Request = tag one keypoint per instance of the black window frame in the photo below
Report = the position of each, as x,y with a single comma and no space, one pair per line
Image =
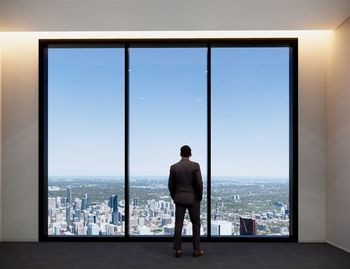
291,43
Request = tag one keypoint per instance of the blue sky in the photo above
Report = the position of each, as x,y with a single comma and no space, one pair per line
86,111
168,97
250,103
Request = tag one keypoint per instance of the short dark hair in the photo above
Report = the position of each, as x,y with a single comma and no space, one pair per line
185,151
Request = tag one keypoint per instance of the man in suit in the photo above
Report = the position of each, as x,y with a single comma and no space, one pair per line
186,189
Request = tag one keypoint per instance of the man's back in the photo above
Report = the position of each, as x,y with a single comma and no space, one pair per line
185,178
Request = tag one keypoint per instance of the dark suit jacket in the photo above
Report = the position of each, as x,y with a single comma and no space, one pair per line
185,181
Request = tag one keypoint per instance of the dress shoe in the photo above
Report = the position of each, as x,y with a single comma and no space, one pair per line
198,253
178,253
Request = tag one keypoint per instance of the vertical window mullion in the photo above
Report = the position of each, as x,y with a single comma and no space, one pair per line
126,161
209,141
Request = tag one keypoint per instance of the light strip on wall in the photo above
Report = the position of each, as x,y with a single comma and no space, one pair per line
168,34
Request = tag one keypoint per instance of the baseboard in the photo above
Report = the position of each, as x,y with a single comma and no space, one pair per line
337,246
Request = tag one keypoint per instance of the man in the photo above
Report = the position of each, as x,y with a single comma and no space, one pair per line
186,189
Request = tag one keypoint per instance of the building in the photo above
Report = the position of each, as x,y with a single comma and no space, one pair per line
69,195
221,227
93,229
247,226
68,215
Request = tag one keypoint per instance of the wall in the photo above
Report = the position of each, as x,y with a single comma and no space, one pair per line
171,15
312,139
0,140
20,126
20,140
338,137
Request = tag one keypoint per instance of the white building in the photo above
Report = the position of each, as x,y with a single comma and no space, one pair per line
93,229
221,227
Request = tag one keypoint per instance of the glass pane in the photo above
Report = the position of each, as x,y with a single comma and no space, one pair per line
250,142
168,109
86,141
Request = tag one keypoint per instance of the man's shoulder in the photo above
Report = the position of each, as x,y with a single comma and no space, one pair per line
194,163
181,163
174,165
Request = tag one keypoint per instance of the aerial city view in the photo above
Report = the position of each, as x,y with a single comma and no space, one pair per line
86,206
168,107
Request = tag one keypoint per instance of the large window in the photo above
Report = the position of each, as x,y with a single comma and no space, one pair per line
85,141
250,142
168,106
114,115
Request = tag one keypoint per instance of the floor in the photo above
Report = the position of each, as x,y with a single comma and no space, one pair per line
146,255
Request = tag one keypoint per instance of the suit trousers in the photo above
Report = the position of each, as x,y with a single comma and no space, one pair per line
194,211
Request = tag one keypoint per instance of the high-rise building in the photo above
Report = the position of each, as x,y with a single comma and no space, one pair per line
69,195
115,203
68,219
58,202
247,226
115,218
110,202
85,202
115,213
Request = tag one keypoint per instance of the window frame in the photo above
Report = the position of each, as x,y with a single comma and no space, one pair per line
44,44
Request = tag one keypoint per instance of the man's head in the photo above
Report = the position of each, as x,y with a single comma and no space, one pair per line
185,151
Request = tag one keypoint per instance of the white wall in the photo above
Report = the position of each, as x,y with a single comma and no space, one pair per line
338,140
312,139
171,15
20,140
20,127
0,141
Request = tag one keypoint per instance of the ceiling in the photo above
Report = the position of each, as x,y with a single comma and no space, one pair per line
171,15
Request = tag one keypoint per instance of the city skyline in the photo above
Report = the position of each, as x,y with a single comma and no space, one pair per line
98,209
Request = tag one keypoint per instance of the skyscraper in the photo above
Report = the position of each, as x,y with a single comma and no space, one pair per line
68,219
110,202
69,195
247,226
115,203
115,218
85,202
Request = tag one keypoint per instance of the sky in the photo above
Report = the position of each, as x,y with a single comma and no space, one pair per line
168,108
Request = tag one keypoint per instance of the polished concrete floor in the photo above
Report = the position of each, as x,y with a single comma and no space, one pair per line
160,255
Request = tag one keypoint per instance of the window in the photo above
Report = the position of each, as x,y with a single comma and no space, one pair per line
168,108
250,141
85,141
113,116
